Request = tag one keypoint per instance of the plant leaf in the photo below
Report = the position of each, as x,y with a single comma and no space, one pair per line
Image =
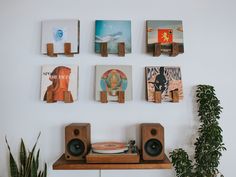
23,153
37,159
39,174
13,166
45,170
33,168
30,158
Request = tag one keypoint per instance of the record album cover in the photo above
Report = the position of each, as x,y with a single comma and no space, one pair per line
59,79
114,78
59,32
164,79
164,32
112,32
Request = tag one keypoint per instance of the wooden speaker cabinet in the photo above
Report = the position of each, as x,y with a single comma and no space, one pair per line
152,141
77,141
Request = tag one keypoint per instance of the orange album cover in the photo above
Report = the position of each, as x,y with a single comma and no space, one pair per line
59,79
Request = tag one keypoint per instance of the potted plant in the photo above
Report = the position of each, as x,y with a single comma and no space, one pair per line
29,162
209,145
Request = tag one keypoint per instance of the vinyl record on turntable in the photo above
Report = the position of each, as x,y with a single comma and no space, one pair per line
109,147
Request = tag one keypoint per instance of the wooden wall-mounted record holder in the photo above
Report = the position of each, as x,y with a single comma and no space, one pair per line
103,97
174,49
121,49
103,49
50,50
67,50
49,97
121,96
156,49
157,97
175,96
68,97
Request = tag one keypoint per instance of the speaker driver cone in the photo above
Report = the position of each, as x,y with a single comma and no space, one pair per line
153,147
76,147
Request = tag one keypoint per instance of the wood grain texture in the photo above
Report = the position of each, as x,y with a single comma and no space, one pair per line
174,49
175,96
157,96
113,158
49,97
62,164
103,97
104,52
152,131
50,50
67,50
77,131
156,49
121,96
68,97
121,49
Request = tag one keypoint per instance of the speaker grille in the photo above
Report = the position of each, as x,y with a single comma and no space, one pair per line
153,147
76,147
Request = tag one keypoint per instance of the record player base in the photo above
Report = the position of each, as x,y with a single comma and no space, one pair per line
62,164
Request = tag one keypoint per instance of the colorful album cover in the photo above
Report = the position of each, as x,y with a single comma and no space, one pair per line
114,78
164,79
165,32
59,32
59,79
112,32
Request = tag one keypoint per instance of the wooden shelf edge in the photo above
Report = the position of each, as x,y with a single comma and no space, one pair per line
62,164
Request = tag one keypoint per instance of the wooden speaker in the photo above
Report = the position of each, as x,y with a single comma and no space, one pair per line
152,141
77,141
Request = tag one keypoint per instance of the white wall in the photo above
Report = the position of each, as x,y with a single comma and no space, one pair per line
209,38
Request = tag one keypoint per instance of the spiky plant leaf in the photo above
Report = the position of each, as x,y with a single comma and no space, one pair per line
21,171
37,159
13,166
45,170
39,174
23,157
29,163
33,169
30,158
33,149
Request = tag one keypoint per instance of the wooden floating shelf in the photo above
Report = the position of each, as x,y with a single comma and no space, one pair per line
62,164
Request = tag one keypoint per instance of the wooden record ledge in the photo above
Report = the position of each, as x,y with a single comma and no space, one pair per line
62,164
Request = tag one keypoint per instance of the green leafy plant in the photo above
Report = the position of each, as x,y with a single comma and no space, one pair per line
209,145
28,163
